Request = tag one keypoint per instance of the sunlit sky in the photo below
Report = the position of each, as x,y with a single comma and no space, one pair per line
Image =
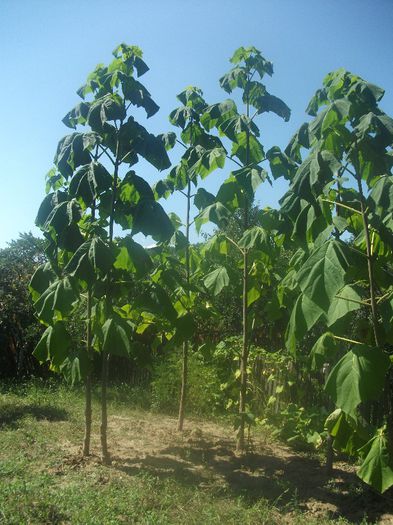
47,48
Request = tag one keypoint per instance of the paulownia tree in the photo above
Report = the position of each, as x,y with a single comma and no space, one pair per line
339,211
203,154
238,190
91,190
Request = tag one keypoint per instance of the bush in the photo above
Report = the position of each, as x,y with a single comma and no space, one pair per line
203,396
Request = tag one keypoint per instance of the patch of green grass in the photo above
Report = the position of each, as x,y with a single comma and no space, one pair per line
41,483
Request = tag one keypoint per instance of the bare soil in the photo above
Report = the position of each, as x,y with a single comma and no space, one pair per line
204,455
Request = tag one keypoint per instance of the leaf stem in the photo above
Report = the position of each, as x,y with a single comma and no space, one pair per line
347,340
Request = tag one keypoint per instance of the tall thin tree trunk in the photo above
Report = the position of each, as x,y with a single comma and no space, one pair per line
184,382
88,409
240,444
104,410
105,457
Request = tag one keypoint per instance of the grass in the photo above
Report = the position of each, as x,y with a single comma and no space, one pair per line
156,477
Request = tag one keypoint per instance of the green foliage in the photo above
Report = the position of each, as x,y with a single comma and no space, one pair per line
203,397
336,279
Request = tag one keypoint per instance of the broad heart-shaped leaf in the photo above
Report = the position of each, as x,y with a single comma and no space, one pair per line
78,115
133,188
359,376
41,279
230,194
133,257
254,237
323,350
72,152
347,300
380,125
323,273
56,301
249,178
203,199
253,294
89,182
116,337
349,433
381,195
150,218
216,213
216,114
254,153
54,345
268,102
107,108
202,161
377,467
135,139
100,256
304,316
48,204
138,95
281,164
216,280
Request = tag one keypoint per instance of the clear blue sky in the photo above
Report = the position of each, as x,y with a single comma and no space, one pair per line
47,48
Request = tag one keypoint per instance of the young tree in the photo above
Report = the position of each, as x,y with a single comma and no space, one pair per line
204,153
343,190
238,190
90,193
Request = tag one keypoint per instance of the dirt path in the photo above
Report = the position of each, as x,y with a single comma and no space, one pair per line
204,456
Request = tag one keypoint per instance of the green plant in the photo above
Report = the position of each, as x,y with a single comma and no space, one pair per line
256,244
90,191
204,393
342,189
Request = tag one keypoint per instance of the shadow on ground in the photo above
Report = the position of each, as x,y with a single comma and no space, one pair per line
11,414
284,478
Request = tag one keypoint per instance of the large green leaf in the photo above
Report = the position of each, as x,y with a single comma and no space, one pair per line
377,467
150,218
133,258
138,95
216,280
54,345
41,280
56,301
216,213
347,300
359,376
248,150
116,337
48,204
89,182
72,152
304,316
249,179
323,351
267,103
254,237
323,274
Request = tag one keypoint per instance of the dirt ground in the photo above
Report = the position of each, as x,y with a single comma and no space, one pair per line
204,455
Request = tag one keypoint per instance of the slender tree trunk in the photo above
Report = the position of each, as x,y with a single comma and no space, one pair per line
184,385
240,445
183,392
88,409
105,457
105,356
